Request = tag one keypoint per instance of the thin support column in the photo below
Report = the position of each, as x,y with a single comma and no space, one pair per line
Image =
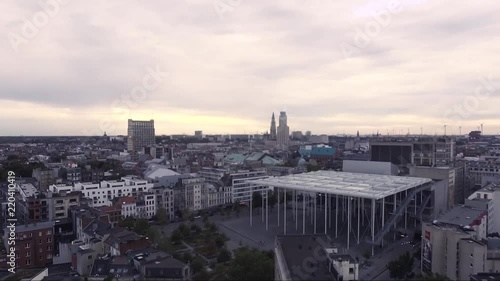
251,210
348,221
262,206
296,215
359,208
315,207
303,215
267,210
336,215
326,214
330,211
394,213
279,199
284,212
383,217
363,208
406,211
415,207
373,226
311,205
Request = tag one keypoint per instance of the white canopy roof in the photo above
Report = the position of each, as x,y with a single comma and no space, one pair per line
347,184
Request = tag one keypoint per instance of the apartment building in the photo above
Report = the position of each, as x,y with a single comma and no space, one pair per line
451,251
34,206
486,199
165,199
485,168
128,205
45,177
193,187
146,205
242,190
102,193
34,244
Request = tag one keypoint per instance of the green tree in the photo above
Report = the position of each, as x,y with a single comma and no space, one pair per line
224,256
399,268
246,261
187,258
141,226
197,265
153,235
176,237
128,222
162,216
203,275
220,241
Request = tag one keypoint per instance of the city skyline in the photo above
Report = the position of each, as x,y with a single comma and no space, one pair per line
223,68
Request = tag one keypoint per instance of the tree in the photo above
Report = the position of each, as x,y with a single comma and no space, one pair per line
141,226
246,261
367,255
219,241
161,216
197,265
109,278
203,275
153,235
187,257
399,268
128,222
176,236
224,256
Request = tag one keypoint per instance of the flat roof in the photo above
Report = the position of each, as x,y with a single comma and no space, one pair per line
461,215
369,186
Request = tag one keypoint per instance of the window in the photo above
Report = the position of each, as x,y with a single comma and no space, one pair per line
28,262
49,240
39,233
27,246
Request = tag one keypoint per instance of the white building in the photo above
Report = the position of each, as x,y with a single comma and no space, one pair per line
242,190
103,193
165,200
192,192
146,205
129,206
486,199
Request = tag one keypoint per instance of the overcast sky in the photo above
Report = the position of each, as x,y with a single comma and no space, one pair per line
223,66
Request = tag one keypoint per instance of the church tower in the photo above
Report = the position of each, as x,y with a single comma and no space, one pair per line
272,133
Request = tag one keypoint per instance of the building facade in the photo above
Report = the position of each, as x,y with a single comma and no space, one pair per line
140,134
283,131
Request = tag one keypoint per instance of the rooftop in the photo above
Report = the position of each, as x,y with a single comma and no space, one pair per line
369,186
461,215
297,249
34,226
